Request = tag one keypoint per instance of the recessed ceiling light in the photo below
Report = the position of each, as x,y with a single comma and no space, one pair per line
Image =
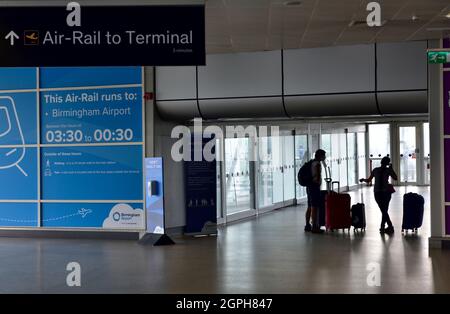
292,3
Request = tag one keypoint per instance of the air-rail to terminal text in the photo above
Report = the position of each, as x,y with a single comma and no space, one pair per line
129,37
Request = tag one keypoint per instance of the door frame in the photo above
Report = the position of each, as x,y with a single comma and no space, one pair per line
395,148
229,217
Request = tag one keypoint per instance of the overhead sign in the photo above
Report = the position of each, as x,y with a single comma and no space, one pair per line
102,36
435,57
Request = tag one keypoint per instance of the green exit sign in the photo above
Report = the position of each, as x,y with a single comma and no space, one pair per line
438,57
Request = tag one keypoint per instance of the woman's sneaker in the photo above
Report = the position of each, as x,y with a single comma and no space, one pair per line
308,228
317,229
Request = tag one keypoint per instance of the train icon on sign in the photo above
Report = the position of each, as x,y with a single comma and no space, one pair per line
12,142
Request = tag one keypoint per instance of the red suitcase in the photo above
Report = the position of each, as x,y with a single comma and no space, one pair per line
337,210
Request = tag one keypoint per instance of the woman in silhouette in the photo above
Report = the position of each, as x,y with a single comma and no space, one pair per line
383,191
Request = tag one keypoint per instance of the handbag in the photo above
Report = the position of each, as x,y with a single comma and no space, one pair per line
390,188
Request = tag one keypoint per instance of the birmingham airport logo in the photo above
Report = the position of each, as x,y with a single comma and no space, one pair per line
191,145
116,216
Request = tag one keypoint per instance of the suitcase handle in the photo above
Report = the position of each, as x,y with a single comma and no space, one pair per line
338,185
362,195
327,172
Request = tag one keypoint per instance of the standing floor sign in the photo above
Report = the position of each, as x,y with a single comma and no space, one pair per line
154,194
154,204
71,148
201,193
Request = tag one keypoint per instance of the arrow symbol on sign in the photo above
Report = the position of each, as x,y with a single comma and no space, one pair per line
12,36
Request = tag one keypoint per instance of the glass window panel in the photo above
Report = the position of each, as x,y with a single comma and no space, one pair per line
265,172
326,146
277,162
289,168
379,143
334,157
301,156
362,166
379,140
238,181
342,160
352,158
408,163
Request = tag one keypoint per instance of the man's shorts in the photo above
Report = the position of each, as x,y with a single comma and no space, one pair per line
313,193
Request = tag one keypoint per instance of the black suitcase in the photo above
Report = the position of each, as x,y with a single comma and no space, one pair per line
413,204
359,214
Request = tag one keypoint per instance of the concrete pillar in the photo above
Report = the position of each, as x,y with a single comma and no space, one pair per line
437,190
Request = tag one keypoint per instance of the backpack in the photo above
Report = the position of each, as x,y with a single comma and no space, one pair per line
305,176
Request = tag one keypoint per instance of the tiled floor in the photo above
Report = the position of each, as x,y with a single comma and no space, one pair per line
268,254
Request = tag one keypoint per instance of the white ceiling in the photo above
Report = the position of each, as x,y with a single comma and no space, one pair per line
258,25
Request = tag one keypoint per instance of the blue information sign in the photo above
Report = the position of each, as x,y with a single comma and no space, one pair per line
92,172
92,116
71,146
93,215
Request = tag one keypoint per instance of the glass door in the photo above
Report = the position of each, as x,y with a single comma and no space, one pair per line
277,168
289,177
408,154
326,146
362,162
301,156
265,172
379,144
342,160
238,183
351,159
